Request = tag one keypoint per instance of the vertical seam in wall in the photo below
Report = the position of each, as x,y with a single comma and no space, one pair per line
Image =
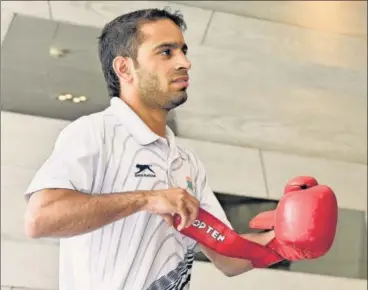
56,31
9,26
207,27
50,10
264,173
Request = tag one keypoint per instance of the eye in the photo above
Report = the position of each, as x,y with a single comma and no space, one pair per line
185,51
166,52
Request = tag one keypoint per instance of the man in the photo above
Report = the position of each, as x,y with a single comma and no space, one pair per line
115,178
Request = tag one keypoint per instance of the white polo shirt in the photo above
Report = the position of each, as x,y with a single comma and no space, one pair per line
113,151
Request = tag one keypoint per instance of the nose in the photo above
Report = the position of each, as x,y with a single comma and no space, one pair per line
184,63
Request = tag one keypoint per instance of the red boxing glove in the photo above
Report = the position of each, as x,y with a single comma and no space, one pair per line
304,221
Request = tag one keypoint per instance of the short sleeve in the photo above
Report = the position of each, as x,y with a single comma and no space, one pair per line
207,198
72,162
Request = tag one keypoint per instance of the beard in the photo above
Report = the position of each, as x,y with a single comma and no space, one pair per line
154,96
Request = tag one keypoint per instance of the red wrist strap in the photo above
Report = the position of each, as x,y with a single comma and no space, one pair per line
214,234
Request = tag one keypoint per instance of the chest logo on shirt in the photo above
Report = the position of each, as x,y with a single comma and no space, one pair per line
144,170
189,183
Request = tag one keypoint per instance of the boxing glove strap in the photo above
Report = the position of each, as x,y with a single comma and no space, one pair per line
215,235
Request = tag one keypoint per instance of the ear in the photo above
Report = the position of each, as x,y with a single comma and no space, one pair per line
122,68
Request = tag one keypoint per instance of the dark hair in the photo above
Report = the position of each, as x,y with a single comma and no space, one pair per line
121,37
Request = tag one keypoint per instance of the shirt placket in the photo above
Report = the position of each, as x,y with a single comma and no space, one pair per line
168,156
170,181
170,162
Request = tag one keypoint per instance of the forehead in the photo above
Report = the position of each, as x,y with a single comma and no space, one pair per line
165,30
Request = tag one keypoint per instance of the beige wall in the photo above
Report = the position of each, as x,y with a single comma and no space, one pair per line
26,140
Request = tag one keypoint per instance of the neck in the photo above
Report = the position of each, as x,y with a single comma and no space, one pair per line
155,119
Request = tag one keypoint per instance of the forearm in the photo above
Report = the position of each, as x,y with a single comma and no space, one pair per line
227,265
233,266
62,213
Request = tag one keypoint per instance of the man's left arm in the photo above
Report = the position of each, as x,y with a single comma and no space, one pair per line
233,266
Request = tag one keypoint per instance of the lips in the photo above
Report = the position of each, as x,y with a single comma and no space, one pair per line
181,81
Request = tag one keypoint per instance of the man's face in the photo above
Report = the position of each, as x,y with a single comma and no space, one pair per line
162,72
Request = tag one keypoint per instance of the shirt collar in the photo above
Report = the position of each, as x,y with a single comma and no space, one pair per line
136,127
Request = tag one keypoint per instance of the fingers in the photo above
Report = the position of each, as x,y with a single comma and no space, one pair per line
188,210
168,219
167,203
185,215
193,209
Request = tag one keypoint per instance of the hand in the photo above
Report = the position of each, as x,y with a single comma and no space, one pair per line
304,221
170,201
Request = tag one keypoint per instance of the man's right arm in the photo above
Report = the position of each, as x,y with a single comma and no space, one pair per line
58,205
65,212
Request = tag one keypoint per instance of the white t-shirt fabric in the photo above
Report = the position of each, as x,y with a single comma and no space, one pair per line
113,151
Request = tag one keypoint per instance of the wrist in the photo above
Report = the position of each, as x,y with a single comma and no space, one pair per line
260,238
147,200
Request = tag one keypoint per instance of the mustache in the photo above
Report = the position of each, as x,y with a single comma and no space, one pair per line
179,76
180,73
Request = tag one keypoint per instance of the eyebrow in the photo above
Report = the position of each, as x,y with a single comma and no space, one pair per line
171,45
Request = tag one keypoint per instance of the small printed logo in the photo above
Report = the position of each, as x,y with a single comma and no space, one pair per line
189,183
144,170
213,233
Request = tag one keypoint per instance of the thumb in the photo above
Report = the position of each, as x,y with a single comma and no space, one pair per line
168,219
